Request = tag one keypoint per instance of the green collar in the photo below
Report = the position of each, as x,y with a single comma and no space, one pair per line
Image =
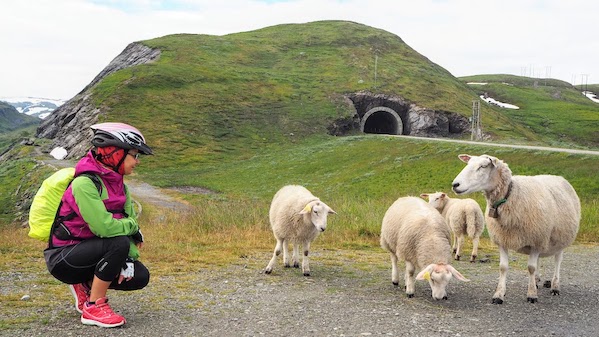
504,200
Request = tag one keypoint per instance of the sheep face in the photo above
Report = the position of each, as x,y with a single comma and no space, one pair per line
438,276
318,212
477,175
437,200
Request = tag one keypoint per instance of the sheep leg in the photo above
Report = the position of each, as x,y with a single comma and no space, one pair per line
555,281
296,255
276,253
458,252
503,268
475,241
410,279
394,270
455,242
286,253
533,262
306,259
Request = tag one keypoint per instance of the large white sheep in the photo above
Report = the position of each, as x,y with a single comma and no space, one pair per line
415,232
463,216
534,215
297,217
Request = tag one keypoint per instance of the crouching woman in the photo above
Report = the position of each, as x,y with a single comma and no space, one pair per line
94,242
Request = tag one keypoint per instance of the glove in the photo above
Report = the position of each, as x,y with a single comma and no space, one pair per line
138,237
128,269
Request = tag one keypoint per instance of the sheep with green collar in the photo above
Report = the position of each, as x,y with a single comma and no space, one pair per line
297,217
534,215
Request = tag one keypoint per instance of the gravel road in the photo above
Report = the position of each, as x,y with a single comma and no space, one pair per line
343,298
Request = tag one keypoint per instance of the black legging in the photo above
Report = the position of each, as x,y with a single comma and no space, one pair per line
99,257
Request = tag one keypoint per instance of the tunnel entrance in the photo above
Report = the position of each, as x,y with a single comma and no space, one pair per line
381,120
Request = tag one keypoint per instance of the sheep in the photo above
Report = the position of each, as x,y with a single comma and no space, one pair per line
297,217
534,215
463,216
415,232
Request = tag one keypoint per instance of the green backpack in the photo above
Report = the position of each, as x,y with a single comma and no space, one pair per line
47,201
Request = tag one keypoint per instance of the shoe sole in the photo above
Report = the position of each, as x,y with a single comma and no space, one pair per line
72,288
88,321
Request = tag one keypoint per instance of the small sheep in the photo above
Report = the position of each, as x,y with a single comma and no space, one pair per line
415,232
463,216
297,217
534,215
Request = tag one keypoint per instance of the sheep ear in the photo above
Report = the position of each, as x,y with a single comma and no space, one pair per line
424,195
306,209
425,274
331,211
457,274
464,157
443,195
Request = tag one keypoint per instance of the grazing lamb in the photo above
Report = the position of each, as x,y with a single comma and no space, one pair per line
297,217
415,232
463,216
534,215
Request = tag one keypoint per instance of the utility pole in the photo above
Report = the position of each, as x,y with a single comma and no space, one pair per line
476,124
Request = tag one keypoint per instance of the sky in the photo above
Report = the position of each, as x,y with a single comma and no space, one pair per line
54,48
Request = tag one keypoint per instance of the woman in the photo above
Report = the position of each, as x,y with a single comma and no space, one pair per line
94,242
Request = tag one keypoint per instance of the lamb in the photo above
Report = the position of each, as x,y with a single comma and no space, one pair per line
297,217
534,215
415,232
463,216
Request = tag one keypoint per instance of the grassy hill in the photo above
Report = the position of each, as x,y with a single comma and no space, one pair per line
212,98
11,119
244,114
554,110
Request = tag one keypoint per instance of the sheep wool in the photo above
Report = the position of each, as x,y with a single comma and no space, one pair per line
415,232
297,217
463,216
534,215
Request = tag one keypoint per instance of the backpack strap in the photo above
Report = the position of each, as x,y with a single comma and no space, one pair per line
59,219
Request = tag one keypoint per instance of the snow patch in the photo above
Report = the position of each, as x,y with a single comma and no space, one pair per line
499,104
591,96
58,153
477,83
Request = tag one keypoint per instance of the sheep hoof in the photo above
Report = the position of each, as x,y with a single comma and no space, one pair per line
457,258
268,271
473,259
455,250
306,274
410,295
554,292
287,265
547,284
497,301
531,299
296,265
395,283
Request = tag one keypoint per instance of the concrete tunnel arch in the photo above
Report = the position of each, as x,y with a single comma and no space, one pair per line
381,120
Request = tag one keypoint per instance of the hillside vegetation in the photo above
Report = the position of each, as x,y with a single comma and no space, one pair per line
554,110
11,119
243,114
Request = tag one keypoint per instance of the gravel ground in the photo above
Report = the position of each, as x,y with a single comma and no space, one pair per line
349,294
341,299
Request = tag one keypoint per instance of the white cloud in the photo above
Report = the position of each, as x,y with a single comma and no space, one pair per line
54,48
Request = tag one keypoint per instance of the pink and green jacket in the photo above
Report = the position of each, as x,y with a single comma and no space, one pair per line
92,217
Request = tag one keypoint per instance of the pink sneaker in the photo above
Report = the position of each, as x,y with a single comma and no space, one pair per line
81,293
101,314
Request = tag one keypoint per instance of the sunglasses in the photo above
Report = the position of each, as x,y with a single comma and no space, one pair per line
136,156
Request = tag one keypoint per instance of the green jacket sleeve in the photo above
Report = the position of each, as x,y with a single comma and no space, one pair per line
93,211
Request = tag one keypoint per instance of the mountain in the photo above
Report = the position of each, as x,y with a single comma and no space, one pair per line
11,119
203,98
33,106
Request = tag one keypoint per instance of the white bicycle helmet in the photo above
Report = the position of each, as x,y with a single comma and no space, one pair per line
120,135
